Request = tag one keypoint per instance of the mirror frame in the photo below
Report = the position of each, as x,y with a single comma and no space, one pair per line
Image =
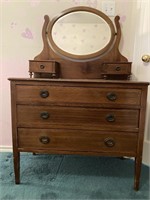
68,55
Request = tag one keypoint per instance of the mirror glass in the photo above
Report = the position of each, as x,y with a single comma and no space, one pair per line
81,33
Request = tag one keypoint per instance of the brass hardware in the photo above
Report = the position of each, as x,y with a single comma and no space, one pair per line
111,96
44,93
109,142
44,139
44,115
146,58
110,118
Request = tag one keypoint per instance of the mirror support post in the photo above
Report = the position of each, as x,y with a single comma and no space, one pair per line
45,54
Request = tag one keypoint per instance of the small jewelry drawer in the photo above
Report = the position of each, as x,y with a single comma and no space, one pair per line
77,140
116,68
44,69
116,71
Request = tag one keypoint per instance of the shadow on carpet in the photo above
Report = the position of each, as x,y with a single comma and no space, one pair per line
71,177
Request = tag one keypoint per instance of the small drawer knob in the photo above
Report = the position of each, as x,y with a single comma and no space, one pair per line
111,96
42,66
44,115
44,93
110,118
109,142
118,68
44,139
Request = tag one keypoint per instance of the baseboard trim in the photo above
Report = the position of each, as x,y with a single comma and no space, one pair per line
6,149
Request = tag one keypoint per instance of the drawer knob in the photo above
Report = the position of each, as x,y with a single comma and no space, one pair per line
44,139
118,68
109,142
42,66
44,115
44,93
110,118
111,96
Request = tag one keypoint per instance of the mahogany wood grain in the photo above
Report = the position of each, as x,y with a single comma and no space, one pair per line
81,66
77,94
77,122
68,107
116,68
77,140
77,118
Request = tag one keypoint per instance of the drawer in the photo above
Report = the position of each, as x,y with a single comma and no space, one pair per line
43,67
77,95
79,118
77,140
116,68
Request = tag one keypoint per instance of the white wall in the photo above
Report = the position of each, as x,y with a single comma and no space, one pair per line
141,27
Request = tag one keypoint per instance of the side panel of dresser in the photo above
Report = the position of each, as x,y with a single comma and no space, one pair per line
16,153
132,141
138,158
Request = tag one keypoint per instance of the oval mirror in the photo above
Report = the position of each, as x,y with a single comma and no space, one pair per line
81,33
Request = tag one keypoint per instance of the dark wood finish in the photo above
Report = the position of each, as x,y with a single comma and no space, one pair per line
16,153
85,117
49,69
77,140
68,107
80,94
116,70
82,66
77,118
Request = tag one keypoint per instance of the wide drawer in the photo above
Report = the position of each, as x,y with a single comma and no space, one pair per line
74,140
77,95
80,118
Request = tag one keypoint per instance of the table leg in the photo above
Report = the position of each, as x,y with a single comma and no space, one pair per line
138,163
17,167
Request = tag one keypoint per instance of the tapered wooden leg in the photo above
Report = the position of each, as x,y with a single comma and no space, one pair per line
138,163
17,167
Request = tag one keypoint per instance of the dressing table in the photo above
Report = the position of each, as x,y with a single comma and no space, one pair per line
80,97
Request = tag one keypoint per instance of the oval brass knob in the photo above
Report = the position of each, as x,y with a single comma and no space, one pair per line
146,58
110,118
44,93
44,139
111,96
109,142
44,115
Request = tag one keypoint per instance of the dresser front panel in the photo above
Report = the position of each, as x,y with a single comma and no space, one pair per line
81,117
78,118
76,140
78,95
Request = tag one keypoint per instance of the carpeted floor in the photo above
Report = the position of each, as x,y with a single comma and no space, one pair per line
71,177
